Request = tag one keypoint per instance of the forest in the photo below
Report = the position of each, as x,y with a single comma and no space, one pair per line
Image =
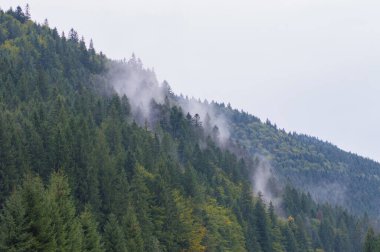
84,167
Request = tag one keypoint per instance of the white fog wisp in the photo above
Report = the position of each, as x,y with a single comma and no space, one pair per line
209,118
261,180
138,84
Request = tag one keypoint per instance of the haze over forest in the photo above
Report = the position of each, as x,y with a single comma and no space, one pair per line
310,67
100,154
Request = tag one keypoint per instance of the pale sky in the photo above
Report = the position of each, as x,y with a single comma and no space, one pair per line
309,66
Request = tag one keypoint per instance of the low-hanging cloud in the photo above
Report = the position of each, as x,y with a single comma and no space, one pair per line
141,87
210,117
138,84
264,181
331,192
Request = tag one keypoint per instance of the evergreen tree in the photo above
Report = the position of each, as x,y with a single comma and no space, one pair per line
262,226
66,226
371,243
15,229
26,219
132,231
114,240
91,237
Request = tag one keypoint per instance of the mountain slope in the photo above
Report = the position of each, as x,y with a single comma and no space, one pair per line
85,168
320,168
328,173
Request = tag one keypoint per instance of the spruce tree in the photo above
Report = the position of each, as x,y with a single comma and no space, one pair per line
66,225
91,237
114,238
132,231
26,220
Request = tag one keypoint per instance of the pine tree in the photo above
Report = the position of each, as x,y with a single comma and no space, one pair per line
26,219
371,243
15,228
66,225
142,198
91,237
132,231
290,240
113,236
262,226
27,12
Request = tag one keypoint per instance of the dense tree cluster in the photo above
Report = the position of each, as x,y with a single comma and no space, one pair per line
78,174
372,242
327,172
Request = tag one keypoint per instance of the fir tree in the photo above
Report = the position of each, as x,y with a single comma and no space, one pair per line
114,240
91,237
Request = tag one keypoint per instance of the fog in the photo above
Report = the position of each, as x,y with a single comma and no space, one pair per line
139,84
308,66
208,116
265,183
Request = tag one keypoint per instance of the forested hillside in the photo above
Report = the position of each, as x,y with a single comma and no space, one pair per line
328,173
85,168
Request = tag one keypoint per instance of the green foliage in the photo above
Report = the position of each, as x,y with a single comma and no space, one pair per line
168,189
91,237
223,231
26,219
309,164
66,226
132,231
372,242
114,238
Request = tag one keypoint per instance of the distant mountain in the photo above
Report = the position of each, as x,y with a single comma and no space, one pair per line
96,155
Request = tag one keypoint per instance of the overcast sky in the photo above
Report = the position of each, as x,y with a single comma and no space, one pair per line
309,66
